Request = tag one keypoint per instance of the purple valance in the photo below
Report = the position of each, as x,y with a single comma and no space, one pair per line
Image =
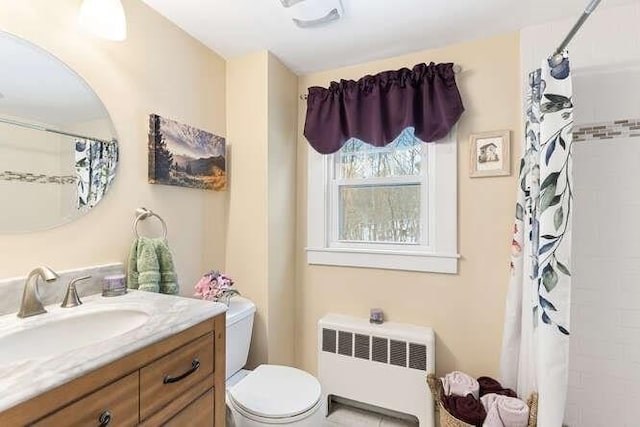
376,109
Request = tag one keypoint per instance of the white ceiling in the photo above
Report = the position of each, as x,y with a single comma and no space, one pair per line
370,29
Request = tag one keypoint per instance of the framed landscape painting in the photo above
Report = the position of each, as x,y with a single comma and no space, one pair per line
185,156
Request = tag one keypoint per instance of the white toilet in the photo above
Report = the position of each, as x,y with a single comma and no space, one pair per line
270,394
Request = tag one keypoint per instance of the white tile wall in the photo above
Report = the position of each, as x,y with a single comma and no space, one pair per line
597,94
605,324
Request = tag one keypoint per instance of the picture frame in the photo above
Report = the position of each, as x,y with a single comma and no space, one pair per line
490,154
185,156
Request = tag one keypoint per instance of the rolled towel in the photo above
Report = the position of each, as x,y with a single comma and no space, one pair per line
460,384
467,409
504,411
489,385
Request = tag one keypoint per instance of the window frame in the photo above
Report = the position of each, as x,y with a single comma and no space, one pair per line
437,251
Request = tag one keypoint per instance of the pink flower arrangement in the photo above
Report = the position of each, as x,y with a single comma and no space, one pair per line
215,286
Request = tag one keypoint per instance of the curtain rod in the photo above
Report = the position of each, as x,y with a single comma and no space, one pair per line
557,58
457,69
46,129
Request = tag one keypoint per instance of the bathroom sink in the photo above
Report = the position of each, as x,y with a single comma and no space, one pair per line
68,333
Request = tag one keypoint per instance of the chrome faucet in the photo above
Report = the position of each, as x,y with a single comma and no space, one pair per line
71,299
31,304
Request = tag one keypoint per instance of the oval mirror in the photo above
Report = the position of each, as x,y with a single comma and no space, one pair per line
58,146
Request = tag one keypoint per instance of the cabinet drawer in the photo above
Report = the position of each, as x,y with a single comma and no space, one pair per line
172,375
199,414
115,404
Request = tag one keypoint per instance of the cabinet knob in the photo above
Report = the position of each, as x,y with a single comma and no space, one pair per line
104,419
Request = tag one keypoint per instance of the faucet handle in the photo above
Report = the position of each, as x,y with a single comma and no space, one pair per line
71,299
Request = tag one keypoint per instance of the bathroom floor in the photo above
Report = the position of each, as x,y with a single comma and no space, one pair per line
346,416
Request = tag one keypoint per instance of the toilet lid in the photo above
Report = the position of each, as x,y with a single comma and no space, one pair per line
272,391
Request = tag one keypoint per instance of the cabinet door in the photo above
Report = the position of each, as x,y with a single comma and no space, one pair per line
112,405
198,414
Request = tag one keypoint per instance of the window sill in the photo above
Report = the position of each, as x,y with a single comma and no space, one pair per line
386,260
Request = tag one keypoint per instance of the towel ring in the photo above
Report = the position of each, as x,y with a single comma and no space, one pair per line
144,213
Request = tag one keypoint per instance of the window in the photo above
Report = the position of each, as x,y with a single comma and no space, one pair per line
392,207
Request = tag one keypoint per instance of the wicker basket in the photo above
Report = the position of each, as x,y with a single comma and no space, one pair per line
448,420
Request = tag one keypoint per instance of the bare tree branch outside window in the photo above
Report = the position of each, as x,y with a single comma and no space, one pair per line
374,205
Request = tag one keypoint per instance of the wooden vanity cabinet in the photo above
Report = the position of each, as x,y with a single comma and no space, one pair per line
178,381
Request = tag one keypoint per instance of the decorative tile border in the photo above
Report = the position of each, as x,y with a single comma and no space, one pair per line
36,178
598,131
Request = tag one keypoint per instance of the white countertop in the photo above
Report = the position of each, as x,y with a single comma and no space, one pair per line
28,378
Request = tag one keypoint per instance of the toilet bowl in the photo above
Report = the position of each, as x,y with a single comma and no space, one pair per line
270,394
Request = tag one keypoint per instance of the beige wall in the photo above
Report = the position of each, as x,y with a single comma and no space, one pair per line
262,110
283,114
159,69
466,310
247,133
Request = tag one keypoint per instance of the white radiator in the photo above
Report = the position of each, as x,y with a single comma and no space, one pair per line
380,365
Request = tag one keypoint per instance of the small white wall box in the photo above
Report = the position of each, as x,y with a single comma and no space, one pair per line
383,367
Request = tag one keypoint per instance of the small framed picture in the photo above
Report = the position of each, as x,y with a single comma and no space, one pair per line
490,154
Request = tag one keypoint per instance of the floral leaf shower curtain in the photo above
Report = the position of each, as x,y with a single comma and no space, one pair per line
535,350
95,164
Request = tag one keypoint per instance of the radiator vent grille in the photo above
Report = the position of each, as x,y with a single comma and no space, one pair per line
378,349
362,347
329,340
398,353
345,343
418,356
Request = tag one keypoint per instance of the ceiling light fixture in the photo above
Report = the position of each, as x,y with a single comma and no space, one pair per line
313,13
289,3
104,18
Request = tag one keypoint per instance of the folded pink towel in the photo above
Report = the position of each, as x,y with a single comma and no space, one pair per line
460,384
504,411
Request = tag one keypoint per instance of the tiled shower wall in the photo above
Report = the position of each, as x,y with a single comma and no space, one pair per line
605,325
611,130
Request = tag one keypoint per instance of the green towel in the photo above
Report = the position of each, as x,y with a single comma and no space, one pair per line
168,277
132,267
150,267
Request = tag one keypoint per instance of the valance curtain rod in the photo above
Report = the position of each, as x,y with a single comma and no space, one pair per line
556,58
456,69
46,129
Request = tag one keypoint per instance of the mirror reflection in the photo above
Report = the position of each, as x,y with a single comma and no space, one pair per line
58,147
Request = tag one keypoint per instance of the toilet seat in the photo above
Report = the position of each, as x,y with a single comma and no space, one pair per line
274,394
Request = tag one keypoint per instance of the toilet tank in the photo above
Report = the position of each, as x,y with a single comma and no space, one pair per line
239,326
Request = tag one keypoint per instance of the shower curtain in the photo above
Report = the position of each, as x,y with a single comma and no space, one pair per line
95,164
535,350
